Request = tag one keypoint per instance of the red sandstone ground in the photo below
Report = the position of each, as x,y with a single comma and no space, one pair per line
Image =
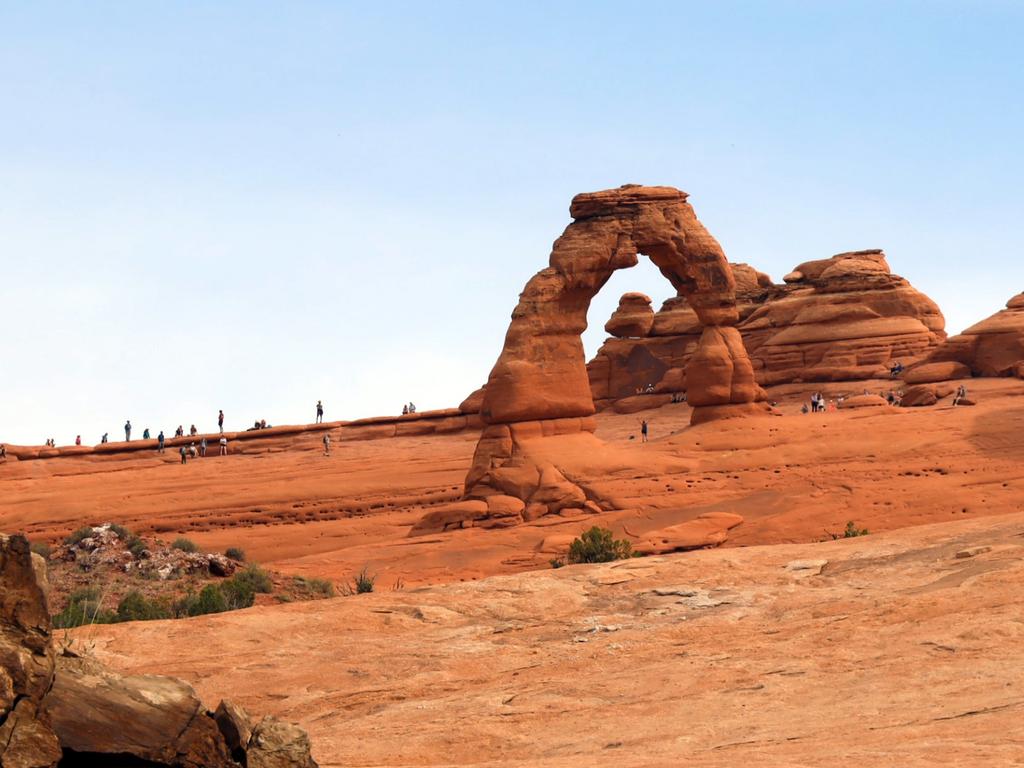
793,478
898,653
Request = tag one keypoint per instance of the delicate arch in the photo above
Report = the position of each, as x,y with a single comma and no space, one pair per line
541,372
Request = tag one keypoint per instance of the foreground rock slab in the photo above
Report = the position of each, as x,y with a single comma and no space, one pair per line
894,654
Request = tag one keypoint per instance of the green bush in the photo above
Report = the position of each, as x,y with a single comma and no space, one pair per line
315,587
235,554
851,532
185,545
41,548
85,606
121,531
240,590
135,606
77,536
363,582
557,562
209,600
598,546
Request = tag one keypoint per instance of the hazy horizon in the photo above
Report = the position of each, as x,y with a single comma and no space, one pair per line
252,208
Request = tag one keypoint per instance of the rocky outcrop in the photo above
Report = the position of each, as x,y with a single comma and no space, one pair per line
993,347
54,705
838,319
27,661
633,317
843,318
540,385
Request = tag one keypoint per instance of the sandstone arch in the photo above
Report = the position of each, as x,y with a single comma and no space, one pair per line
539,386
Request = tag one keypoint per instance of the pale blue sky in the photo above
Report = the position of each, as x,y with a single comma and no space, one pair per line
251,206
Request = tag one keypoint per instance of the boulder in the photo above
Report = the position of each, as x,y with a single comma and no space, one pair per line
864,401
460,514
158,719
27,661
707,530
927,373
633,318
276,744
235,726
925,394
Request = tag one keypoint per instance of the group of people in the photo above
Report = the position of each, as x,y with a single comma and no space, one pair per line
818,404
648,390
192,452
408,408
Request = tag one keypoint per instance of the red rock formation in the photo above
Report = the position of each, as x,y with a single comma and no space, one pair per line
539,385
56,704
633,318
993,347
843,318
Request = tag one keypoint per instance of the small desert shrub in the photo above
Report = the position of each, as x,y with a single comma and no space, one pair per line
240,590
135,606
77,536
360,584
315,587
598,546
235,554
85,606
185,545
122,532
41,548
136,546
556,562
209,600
851,532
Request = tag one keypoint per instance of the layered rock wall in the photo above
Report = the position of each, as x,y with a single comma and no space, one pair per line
843,318
993,347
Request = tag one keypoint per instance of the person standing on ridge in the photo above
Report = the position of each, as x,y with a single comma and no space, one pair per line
223,446
145,434
127,431
105,438
78,439
319,412
160,442
220,420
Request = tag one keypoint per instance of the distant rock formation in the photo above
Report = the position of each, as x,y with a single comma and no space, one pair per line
54,705
836,319
993,347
